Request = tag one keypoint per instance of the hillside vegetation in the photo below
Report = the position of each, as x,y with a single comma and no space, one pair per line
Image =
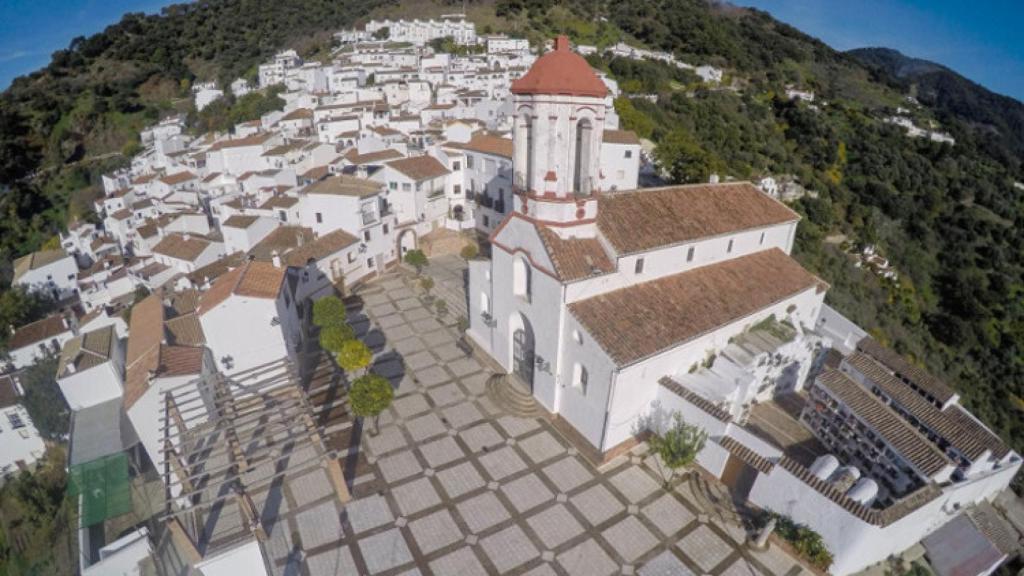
948,216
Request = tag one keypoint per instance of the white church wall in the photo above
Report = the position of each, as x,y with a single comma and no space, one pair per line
585,411
674,259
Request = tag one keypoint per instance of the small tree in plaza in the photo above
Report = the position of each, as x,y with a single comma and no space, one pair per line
370,395
678,446
354,355
417,259
470,251
333,337
329,311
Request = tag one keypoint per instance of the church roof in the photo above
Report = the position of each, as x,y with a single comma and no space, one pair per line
641,220
639,321
561,71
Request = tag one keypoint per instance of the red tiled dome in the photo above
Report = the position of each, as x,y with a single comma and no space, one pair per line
560,71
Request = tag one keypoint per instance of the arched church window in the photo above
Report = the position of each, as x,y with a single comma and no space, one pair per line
582,184
521,278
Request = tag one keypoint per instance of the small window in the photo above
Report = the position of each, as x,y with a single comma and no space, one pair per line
629,153
319,218
282,215
369,262
469,161
406,187
689,254
762,237
728,249
456,166
580,378
638,268
393,185
457,190
366,235
487,222
386,229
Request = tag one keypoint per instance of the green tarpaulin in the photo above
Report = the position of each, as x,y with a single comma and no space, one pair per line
104,486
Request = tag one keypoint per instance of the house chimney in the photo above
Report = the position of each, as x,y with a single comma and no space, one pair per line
562,42
276,259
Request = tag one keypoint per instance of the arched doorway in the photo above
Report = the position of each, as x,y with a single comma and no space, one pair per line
406,242
522,349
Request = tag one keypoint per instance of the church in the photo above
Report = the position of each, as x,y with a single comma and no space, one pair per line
616,309
594,295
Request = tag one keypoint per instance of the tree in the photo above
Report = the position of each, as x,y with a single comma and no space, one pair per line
683,159
382,33
678,446
354,355
427,284
469,251
333,337
329,311
417,259
44,401
370,395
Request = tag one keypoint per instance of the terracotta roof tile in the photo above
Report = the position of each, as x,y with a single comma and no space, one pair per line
896,431
185,247
322,247
178,178
37,331
620,137
377,157
254,279
420,168
641,220
962,432
560,71
642,320
904,369
575,258
242,221
342,185
485,144
9,395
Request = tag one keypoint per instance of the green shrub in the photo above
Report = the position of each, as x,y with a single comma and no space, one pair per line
329,311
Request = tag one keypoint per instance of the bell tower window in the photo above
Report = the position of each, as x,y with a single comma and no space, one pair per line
582,184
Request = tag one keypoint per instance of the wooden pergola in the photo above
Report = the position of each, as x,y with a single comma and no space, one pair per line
229,437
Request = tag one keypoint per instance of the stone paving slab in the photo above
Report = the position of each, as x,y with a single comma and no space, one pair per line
667,515
509,548
435,531
385,551
460,479
482,512
597,504
704,547
368,513
665,564
554,525
526,492
415,496
587,559
567,473
630,539
461,562
442,451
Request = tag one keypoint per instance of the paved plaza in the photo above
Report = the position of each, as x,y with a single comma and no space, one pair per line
452,485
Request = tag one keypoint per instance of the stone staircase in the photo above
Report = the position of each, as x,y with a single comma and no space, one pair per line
508,393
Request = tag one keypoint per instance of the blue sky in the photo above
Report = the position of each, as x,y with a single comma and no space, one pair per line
31,30
979,39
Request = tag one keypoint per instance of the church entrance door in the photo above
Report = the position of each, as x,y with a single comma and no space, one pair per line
522,357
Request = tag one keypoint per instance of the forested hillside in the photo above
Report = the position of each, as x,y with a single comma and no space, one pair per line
948,217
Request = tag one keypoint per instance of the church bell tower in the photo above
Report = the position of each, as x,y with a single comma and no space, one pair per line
559,119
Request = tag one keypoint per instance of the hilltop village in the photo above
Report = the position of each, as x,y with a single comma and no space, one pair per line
569,315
